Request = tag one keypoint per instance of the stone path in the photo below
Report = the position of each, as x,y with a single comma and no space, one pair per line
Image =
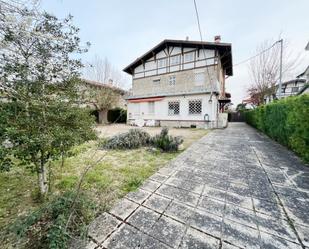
234,188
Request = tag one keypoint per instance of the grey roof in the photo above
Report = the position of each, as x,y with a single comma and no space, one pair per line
303,73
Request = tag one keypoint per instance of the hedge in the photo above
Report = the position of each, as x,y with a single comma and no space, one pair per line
117,115
286,121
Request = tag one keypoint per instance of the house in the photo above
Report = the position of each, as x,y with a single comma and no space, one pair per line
101,97
305,75
180,83
288,88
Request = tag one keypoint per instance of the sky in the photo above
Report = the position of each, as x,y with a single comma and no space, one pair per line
123,30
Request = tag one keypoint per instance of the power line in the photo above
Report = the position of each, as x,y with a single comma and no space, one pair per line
236,64
201,36
258,54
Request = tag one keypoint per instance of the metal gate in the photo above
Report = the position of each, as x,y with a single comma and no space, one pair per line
236,117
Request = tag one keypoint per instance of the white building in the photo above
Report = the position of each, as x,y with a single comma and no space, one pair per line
180,83
288,88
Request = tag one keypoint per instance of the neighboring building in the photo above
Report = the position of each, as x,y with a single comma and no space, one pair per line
288,88
180,83
93,103
305,76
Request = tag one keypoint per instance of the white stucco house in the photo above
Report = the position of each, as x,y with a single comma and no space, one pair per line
180,83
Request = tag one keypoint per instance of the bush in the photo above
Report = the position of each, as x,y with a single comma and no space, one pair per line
117,115
134,138
47,226
286,121
165,142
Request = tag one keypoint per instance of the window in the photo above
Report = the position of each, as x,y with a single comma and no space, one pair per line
161,63
195,106
156,81
175,60
295,89
189,57
173,108
199,79
151,107
172,80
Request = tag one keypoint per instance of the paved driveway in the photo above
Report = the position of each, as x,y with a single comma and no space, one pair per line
234,188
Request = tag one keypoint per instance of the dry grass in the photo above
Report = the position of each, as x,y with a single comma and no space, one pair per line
118,173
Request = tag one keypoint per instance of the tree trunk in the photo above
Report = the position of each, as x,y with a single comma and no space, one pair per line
43,179
102,117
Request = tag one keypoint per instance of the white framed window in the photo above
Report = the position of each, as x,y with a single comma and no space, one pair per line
199,79
161,63
195,107
295,89
175,60
189,57
172,80
173,108
151,107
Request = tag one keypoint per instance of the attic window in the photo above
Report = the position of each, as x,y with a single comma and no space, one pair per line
161,63
189,57
175,60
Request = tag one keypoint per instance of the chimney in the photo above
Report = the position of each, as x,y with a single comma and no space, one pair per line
217,39
187,38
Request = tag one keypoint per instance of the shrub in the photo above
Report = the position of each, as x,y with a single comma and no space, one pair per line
117,115
47,226
165,142
286,121
134,138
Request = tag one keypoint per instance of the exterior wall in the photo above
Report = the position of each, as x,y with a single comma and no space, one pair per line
289,89
140,111
187,58
185,82
195,71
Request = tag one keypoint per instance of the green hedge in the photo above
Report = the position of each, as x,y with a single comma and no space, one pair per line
117,115
286,121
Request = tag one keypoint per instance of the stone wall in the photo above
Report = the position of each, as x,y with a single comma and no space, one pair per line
185,83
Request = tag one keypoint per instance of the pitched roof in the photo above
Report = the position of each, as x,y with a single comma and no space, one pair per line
103,85
303,73
225,51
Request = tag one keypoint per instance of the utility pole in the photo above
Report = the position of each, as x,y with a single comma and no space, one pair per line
280,73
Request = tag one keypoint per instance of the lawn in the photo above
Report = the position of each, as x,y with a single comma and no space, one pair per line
117,173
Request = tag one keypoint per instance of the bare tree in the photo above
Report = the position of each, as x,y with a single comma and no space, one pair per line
264,69
101,70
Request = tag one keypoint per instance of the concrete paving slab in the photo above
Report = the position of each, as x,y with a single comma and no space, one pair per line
102,226
240,235
212,205
157,203
195,239
123,208
234,188
143,218
138,196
